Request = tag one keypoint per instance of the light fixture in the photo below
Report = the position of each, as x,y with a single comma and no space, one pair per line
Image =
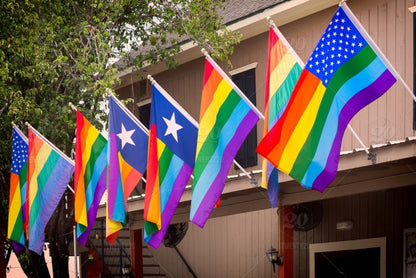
126,269
274,258
345,225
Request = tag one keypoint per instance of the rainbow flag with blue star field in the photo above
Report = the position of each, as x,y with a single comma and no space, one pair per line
172,145
344,73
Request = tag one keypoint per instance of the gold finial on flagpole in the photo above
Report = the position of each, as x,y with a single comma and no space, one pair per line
342,2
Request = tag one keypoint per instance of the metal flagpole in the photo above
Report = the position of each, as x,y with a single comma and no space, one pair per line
376,48
75,251
299,60
153,81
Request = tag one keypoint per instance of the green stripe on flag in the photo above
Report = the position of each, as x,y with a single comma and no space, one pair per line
96,150
164,162
351,68
211,143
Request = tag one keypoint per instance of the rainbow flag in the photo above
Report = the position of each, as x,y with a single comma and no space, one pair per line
172,146
127,163
283,71
49,172
226,118
18,182
343,75
90,175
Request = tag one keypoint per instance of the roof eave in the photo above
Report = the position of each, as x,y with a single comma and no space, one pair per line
249,27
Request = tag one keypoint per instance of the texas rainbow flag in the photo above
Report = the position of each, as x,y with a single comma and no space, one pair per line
226,118
127,162
90,175
283,71
49,172
18,182
343,75
172,145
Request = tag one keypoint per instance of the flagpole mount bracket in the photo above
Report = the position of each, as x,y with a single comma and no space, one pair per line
254,181
372,157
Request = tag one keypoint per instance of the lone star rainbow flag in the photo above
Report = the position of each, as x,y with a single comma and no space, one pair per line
127,163
172,146
343,75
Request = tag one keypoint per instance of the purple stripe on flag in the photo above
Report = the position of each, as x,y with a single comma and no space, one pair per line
171,205
92,212
214,192
114,179
355,104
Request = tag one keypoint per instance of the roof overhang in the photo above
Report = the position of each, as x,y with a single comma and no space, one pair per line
249,27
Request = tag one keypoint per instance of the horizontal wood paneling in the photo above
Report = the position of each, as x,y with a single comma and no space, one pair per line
230,246
379,214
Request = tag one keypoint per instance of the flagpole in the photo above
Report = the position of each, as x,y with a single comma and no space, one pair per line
238,91
20,132
190,118
376,48
129,113
285,42
299,60
75,250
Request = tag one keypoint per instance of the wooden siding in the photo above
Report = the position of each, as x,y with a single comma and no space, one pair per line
229,246
378,214
389,23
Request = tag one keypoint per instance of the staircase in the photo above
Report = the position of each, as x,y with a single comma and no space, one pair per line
117,256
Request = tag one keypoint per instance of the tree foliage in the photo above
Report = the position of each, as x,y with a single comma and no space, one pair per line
56,52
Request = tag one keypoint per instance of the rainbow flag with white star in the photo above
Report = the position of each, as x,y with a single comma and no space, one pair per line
172,146
127,162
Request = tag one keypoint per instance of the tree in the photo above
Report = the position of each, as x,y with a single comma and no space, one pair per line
56,52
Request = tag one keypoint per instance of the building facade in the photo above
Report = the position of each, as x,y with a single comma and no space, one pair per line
368,212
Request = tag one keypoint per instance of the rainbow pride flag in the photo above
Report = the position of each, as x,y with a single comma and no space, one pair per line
172,145
90,175
49,172
226,118
343,75
283,71
127,162
18,182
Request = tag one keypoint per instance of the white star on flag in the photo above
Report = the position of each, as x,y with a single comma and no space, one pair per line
173,127
125,136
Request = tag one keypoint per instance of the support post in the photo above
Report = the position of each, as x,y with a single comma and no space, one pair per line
286,223
136,253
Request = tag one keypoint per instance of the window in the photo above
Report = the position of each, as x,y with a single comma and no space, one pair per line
144,118
354,258
246,81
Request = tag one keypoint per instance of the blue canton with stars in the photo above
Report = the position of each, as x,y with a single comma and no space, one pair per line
339,43
19,152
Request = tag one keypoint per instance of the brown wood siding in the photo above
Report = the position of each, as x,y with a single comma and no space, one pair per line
378,214
390,25
230,246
